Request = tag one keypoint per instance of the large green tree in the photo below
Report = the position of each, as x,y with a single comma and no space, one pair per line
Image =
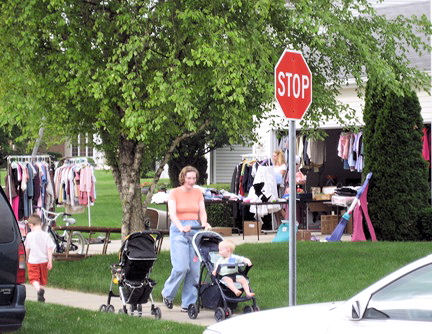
399,188
146,74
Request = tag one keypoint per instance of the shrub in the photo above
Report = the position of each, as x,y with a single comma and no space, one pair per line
399,187
424,221
219,186
219,214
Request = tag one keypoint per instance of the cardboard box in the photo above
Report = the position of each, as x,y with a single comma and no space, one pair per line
349,227
303,235
329,223
322,197
225,231
315,190
250,227
317,207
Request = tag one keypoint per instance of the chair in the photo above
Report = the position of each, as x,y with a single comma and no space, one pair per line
158,219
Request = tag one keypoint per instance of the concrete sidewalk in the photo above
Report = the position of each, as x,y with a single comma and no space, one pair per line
114,245
92,302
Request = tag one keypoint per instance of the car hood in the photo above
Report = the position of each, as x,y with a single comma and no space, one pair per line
309,318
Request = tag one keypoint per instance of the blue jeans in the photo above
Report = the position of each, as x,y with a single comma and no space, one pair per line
185,265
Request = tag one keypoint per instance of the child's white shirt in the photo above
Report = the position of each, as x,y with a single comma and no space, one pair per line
233,259
38,242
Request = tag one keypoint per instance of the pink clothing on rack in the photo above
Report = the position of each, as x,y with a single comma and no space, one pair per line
361,210
343,146
86,186
86,179
15,205
426,145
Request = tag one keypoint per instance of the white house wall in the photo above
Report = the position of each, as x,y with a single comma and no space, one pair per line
223,160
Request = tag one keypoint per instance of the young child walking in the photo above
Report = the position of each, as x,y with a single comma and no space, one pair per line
39,249
229,275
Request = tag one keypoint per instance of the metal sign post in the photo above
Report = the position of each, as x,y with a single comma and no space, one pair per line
293,92
292,277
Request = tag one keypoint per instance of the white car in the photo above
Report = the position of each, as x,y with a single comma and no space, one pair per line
399,303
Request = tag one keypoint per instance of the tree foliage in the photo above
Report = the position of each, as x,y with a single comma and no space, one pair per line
399,189
146,74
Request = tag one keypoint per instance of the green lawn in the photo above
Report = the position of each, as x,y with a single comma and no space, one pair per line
325,271
49,318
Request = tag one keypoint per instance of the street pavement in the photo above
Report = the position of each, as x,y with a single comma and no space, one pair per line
93,301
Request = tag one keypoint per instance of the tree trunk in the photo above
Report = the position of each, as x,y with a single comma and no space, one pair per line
127,177
126,165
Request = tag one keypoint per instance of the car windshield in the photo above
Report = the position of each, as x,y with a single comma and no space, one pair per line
408,298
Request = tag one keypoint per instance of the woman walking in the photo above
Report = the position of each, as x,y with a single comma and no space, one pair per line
187,210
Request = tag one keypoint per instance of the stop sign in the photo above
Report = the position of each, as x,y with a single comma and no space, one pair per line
293,84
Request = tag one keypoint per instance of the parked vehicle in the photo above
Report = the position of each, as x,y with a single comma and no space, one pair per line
399,303
12,269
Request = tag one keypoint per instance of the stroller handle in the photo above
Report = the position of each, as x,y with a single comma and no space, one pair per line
197,227
153,232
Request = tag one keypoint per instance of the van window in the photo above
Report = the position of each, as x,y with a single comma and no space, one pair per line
7,222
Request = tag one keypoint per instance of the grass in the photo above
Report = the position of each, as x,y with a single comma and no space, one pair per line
325,271
49,318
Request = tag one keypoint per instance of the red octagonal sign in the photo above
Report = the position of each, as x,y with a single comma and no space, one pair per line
293,84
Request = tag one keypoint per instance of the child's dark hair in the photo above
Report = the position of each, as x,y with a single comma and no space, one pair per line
34,219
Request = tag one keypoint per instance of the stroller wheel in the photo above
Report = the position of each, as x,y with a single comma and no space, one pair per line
256,308
110,309
193,311
156,312
228,313
103,308
219,314
247,309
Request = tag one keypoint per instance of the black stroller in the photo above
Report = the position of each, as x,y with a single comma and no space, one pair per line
212,292
137,255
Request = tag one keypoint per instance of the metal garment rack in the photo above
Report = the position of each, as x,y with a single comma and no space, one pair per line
253,157
23,158
82,160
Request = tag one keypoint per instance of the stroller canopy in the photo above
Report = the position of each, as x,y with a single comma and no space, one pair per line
204,243
139,246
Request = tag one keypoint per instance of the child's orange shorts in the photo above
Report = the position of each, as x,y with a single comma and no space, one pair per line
38,272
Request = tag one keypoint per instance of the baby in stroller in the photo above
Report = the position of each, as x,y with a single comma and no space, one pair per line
212,290
231,275
132,274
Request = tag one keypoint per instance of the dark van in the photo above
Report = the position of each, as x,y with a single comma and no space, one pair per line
12,269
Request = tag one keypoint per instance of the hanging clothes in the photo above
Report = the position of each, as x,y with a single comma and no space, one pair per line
74,184
264,190
317,152
426,150
24,187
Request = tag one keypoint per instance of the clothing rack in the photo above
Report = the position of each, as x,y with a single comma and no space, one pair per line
81,160
252,156
76,160
23,158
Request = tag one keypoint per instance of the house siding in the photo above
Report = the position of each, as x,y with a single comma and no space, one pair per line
223,160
